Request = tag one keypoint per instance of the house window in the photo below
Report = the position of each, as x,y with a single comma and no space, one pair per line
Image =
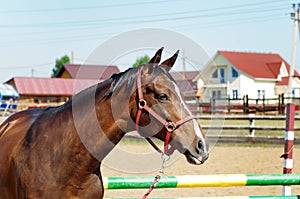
260,94
222,75
234,73
219,94
215,74
235,94
216,94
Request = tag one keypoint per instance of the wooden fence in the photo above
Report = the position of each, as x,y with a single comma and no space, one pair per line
244,105
251,128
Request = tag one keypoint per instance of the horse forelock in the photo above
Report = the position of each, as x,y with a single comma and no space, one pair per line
160,70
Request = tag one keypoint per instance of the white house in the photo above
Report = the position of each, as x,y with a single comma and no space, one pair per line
236,74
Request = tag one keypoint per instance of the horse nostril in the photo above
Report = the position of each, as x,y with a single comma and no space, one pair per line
200,145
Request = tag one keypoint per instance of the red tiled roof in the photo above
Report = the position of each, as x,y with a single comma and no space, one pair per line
79,71
51,86
274,68
257,65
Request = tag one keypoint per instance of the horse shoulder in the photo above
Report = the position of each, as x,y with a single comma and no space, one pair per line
12,131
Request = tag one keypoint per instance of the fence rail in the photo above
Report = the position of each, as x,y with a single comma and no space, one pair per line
244,105
245,117
270,128
251,128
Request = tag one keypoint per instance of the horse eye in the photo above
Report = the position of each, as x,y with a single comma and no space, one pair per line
162,97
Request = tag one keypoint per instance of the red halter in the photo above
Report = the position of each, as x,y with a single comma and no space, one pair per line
169,125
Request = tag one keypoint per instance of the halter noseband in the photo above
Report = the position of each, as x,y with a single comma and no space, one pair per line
169,125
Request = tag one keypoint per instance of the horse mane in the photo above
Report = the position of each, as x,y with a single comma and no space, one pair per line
127,77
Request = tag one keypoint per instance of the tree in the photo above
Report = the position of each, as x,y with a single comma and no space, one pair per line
141,60
59,63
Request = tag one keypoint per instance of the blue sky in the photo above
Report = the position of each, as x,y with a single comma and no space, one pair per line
34,33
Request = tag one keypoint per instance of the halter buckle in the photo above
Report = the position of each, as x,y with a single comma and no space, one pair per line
170,126
142,103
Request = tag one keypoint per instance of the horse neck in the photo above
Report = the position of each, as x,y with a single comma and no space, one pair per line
95,124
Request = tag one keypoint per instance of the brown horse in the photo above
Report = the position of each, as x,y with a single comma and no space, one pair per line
57,152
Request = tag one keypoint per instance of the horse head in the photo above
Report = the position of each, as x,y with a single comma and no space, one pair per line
162,112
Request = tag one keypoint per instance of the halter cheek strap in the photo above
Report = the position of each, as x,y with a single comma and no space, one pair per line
169,125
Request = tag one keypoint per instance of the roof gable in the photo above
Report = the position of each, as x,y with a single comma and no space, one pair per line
274,68
79,71
257,65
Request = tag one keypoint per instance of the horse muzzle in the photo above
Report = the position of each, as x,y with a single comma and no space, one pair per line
199,155
195,160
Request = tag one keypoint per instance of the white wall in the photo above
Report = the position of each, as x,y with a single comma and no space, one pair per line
234,85
267,86
247,86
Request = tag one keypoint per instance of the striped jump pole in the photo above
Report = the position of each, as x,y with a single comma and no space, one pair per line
230,197
190,181
288,146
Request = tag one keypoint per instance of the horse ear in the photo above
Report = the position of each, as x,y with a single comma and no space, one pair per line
154,60
157,57
168,64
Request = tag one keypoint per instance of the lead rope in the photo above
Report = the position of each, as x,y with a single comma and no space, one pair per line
158,176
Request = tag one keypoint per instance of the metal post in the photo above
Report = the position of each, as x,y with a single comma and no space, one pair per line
295,17
228,104
288,146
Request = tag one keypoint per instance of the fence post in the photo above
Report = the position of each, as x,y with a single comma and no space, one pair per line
288,146
246,104
244,111
213,105
198,106
228,104
263,104
282,103
279,104
252,125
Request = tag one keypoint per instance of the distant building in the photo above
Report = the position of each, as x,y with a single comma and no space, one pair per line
78,71
235,74
71,79
186,83
47,91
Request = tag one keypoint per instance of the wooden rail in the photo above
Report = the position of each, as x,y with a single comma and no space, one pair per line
251,137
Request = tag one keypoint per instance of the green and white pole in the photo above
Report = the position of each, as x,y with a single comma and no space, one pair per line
192,181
